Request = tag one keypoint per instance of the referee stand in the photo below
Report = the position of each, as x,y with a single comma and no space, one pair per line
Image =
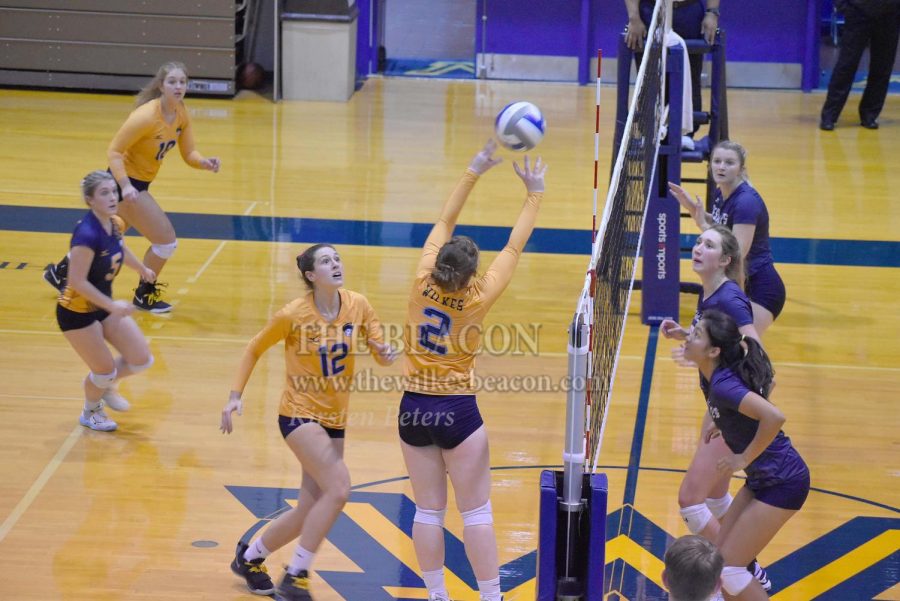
660,277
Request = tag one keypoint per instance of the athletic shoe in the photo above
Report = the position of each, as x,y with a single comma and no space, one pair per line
254,572
146,298
97,420
438,597
115,401
294,587
53,277
760,574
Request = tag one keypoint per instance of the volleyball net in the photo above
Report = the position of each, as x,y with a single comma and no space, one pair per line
602,306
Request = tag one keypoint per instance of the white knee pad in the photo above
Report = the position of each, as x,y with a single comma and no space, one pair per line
719,506
103,381
136,369
480,516
432,517
696,517
164,251
735,580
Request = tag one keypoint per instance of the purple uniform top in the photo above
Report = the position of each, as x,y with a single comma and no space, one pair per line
779,463
729,299
746,206
108,255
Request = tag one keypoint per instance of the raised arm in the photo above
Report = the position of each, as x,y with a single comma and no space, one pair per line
443,229
695,208
501,270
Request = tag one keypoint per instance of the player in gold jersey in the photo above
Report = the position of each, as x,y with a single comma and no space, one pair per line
322,332
158,122
441,430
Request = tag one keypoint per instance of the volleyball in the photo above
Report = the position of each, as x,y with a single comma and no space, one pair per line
520,126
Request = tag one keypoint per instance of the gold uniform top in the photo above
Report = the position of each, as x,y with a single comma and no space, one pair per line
319,355
443,330
138,148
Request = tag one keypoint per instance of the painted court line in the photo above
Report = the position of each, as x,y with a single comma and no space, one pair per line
41,481
48,470
216,252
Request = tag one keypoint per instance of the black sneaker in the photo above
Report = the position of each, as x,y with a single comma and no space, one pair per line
146,298
294,587
254,572
55,275
760,574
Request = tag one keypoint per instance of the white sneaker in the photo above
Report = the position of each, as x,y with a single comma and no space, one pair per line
97,420
438,597
115,401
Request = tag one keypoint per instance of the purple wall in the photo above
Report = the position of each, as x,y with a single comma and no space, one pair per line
531,27
766,31
762,31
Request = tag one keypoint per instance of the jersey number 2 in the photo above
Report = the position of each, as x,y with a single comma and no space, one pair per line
429,332
339,352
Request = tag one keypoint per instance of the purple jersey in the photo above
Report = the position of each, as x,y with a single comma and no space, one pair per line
780,462
746,206
108,254
730,300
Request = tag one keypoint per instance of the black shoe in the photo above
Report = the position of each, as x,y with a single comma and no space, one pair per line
760,574
869,123
294,587
146,298
55,274
826,125
254,572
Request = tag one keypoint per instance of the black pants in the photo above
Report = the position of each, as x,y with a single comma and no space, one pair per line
687,22
879,32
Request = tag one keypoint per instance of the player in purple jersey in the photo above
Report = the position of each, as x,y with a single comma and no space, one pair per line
703,495
739,377
739,206
86,312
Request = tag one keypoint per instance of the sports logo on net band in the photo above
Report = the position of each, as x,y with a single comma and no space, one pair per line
661,246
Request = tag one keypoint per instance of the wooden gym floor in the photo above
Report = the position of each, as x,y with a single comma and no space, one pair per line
153,511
